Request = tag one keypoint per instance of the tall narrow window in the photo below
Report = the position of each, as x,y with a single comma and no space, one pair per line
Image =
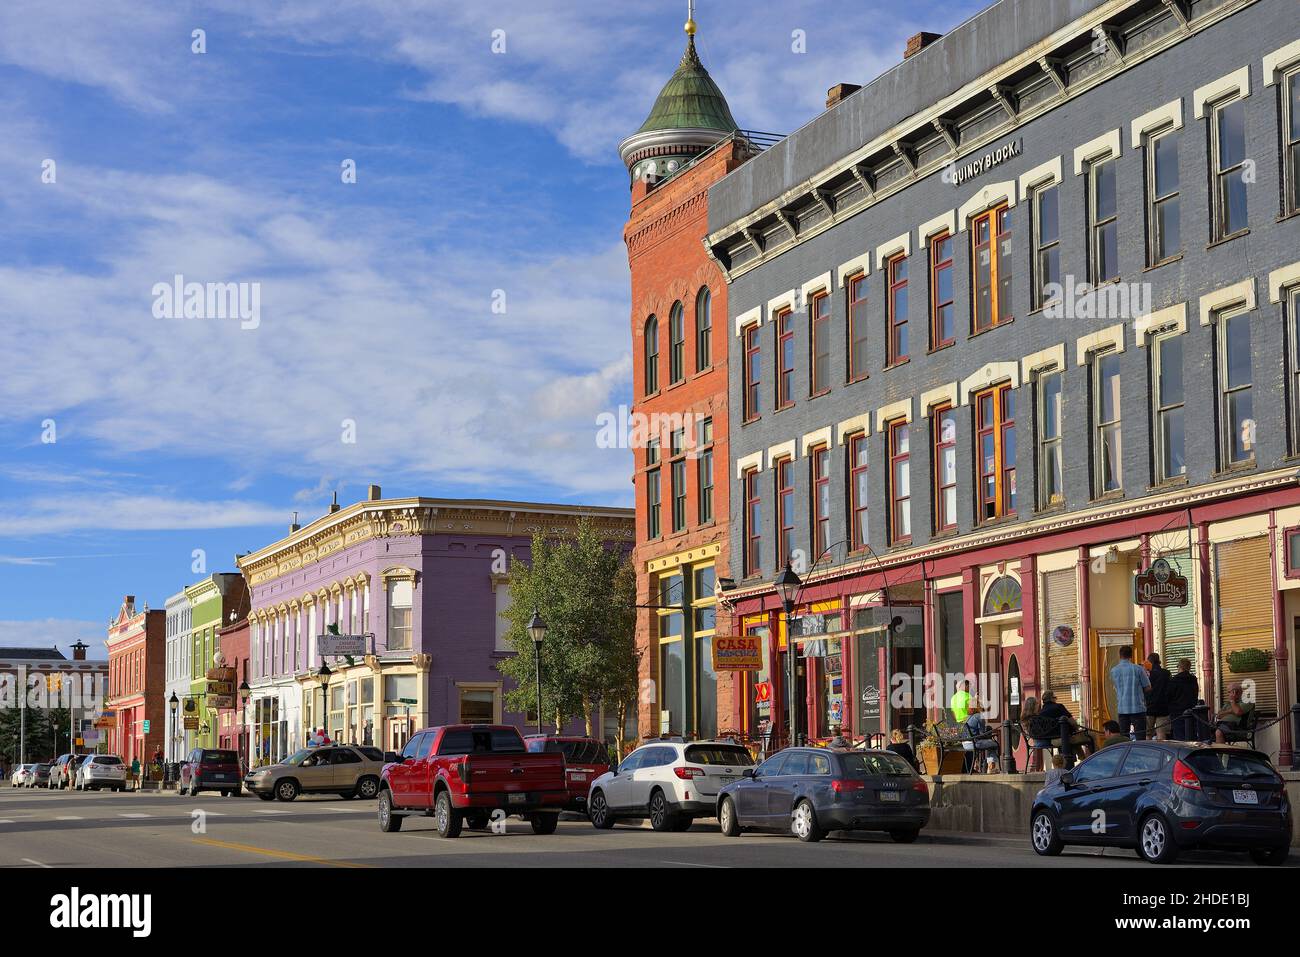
944,426
1293,323
995,440
857,328
1047,243
821,500
651,356
652,490
753,372
1236,412
677,450
1108,458
703,329
785,359
676,344
821,344
1167,354
1291,142
753,523
942,310
1103,222
1164,223
858,490
992,238
1051,489
900,484
784,510
400,594
897,273
1228,144
704,472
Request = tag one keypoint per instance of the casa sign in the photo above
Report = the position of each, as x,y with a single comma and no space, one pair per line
1160,586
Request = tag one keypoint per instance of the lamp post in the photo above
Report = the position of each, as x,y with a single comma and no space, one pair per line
173,702
787,586
244,692
324,676
537,631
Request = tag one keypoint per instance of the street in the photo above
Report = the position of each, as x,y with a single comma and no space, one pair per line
51,829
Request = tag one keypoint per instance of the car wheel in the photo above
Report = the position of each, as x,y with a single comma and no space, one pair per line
602,819
477,822
683,823
287,790
661,819
265,796
803,822
1270,856
1043,835
727,818
1155,842
388,821
907,836
367,788
447,819
544,823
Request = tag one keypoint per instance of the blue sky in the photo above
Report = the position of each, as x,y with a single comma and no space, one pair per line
476,172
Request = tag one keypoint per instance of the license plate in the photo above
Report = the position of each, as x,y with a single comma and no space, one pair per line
516,798
1245,796
579,777
726,778
890,797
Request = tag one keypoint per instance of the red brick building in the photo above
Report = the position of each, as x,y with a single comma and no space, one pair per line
679,413
137,647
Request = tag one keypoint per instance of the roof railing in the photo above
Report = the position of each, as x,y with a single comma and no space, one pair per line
754,142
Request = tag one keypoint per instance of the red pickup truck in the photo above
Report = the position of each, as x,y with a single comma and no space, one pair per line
462,773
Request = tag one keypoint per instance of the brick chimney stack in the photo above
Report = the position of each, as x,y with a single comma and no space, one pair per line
839,91
372,493
919,42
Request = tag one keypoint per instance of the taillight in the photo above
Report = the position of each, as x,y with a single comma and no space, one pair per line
919,786
462,769
841,785
686,773
1185,776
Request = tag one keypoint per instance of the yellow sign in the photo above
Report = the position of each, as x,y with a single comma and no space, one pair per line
737,652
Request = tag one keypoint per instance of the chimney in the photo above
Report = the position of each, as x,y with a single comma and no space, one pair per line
294,526
919,42
334,505
372,493
79,651
839,91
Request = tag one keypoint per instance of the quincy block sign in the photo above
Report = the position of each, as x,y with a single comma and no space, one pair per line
1160,586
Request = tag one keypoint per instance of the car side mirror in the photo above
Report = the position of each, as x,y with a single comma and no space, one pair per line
1067,780
392,757
748,773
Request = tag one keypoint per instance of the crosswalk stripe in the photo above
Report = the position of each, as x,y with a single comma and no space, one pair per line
135,815
69,817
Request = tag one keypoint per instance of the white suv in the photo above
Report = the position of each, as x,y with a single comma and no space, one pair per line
101,771
672,782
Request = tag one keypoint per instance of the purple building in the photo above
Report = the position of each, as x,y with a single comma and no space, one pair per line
425,580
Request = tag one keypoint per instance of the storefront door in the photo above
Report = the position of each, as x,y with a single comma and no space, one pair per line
1104,645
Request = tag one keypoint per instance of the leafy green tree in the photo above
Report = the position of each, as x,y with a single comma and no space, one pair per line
585,591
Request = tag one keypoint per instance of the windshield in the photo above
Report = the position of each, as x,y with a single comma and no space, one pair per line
298,757
1232,764
586,751
719,754
886,763
481,741
106,759
219,757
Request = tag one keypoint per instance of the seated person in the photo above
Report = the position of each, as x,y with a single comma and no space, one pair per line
1081,741
1113,734
898,744
1232,719
1056,770
838,741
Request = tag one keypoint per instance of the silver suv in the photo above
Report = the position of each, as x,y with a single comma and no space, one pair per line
347,770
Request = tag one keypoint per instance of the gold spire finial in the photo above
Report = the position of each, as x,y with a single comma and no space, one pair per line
690,18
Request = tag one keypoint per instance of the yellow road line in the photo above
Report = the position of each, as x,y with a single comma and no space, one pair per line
287,855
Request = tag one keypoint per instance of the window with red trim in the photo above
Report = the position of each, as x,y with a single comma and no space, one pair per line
897,307
785,359
752,371
992,267
821,499
942,311
943,425
858,490
820,353
995,444
900,483
857,328
753,522
784,510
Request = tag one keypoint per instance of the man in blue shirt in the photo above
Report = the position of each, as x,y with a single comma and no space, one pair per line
1131,684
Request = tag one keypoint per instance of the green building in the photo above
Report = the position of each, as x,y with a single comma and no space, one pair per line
213,602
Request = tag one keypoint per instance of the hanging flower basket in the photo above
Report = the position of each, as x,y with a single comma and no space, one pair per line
1246,661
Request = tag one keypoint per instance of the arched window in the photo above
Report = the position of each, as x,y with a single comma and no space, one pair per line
651,356
1003,596
703,330
676,344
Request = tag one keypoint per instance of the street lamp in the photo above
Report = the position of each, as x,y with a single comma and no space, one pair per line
787,586
324,676
244,692
173,702
537,631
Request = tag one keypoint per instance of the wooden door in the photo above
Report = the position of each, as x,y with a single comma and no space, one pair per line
1104,645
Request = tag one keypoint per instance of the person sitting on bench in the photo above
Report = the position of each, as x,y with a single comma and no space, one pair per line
1233,720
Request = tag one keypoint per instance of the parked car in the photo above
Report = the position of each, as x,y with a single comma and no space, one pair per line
210,769
1161,797
20,776
64,770
585,759
101,771
464,773
39,776
332,769
670,782
811,791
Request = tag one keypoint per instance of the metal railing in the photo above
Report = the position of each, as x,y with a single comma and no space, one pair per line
753,141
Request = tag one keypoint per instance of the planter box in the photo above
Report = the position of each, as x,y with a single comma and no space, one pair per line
953,761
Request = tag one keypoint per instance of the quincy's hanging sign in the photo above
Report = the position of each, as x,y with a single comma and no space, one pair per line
956,175
1160,586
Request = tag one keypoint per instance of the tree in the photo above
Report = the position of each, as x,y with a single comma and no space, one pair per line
585,591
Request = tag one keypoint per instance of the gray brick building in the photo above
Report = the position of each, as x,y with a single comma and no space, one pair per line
904,292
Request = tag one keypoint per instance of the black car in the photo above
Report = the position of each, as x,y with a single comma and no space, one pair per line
1160,797
810,791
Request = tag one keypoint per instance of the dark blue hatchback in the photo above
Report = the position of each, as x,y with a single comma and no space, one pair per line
810,791
1160,797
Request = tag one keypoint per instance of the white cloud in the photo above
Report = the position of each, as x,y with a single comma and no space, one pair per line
56,514
60,632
